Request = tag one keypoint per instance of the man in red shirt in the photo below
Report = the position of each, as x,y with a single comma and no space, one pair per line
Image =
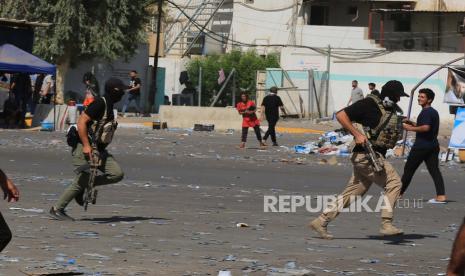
247,109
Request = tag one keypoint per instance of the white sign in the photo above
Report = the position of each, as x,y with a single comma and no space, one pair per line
457,139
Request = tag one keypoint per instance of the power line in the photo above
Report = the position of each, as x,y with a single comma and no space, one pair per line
354,53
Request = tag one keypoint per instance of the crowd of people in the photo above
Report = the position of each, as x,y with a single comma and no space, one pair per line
25,92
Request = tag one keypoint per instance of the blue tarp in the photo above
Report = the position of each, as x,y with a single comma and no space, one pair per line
13,60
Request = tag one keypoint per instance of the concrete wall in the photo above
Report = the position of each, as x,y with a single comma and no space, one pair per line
187,116
274,28
252,26
104,70
407,67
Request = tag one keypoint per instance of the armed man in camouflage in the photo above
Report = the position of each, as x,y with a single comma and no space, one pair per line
381,116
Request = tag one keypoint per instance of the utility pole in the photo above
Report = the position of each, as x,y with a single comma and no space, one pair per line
328,69
153,93
295,13
463,34
200,86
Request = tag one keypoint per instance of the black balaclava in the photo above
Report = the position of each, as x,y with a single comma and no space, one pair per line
391,92
114,89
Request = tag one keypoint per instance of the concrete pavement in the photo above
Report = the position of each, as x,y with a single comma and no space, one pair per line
176,211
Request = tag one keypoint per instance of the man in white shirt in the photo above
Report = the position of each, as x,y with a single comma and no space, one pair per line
356,94
46,91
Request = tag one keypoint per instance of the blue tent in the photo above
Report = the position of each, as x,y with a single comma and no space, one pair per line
14,60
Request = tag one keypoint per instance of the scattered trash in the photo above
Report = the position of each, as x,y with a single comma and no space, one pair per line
204,127
370,261
330,143
291,265
230,258
119,250
95,256
224,273
31,210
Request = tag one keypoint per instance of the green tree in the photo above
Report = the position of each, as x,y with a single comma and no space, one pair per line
82,29
245,63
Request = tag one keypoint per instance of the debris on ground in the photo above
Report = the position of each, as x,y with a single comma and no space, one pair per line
335,142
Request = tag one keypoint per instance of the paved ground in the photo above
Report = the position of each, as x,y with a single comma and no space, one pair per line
176,211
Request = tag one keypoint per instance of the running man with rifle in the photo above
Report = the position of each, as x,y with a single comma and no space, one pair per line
95,129
380,116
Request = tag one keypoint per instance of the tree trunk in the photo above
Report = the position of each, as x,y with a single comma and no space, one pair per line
62,69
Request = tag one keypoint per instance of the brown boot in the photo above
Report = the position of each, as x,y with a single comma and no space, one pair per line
242,145
262,145
387,229
321,228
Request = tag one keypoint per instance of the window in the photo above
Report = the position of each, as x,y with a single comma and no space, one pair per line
319,15
352,10
402,22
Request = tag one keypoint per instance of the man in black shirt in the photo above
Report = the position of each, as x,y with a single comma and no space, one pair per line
134,92
270,107
426,146
373,90
21,87
369,112
94,114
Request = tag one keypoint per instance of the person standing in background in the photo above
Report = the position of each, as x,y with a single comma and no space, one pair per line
92,88
373,90
46,91
426,146
36,93
21,87
270,108
356,94
134,92
247,109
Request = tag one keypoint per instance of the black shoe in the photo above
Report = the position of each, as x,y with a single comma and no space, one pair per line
275,144
80,198
59,215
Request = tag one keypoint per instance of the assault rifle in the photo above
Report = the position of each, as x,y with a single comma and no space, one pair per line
90,193
372,155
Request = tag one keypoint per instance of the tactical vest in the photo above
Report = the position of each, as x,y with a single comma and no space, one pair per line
389,129
104,129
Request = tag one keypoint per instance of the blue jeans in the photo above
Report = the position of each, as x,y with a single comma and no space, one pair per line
129,99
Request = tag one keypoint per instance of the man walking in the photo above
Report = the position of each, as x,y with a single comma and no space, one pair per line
356,94
270,108
133,92
10,193
97,114
384,130
426,146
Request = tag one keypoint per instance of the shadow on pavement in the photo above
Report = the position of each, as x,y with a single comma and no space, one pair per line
124,219
405,239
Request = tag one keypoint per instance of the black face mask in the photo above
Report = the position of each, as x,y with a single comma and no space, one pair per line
114,96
